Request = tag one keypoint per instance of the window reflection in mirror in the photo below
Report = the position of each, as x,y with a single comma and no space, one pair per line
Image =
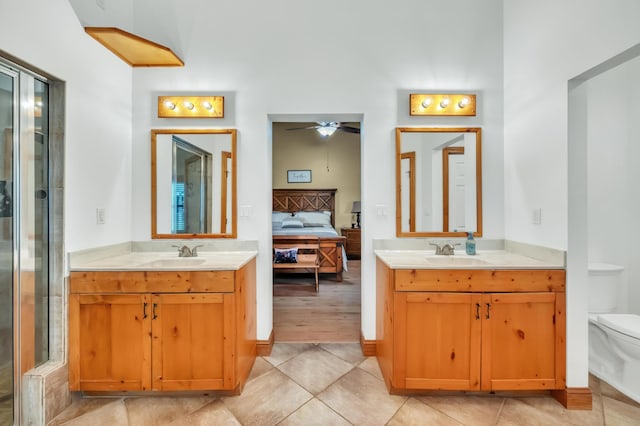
438,181
193,183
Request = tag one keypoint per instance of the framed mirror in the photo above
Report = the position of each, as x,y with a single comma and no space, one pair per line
193,183
438,182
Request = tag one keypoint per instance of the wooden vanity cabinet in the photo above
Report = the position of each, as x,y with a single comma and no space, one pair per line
455,331
186,330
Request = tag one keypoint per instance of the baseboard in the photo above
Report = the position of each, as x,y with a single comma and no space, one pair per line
368,346
263,347
574,398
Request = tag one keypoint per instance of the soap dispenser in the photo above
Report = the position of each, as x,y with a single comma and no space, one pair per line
470,244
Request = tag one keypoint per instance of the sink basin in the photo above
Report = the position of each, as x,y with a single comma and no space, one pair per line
175,262
456,261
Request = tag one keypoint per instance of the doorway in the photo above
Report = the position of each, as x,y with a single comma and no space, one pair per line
306,160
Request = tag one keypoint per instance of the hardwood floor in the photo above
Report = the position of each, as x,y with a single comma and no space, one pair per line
331,315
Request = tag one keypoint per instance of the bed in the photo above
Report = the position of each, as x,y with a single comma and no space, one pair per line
318,208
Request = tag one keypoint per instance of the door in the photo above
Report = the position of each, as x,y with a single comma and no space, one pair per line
191,190
523,341
24,231
408,192
193,341
109,345
225,191
454,190
437,341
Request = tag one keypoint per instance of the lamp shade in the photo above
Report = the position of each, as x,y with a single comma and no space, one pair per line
356,207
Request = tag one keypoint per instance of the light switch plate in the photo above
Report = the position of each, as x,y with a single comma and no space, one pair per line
536,216
101,214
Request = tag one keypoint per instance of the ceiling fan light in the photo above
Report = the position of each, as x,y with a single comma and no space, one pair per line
326,131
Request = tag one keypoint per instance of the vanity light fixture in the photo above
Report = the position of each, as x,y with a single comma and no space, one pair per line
190,106
442,104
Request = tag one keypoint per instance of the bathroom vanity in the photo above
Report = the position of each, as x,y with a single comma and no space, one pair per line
492,322
146,321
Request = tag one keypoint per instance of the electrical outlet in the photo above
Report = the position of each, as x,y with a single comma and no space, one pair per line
101,216
536,216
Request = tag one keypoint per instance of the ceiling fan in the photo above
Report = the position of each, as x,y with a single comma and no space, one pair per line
327,128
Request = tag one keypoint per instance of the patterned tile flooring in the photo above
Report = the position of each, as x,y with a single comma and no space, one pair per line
334,384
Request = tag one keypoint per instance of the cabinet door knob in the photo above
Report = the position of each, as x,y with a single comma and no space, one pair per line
488,311
155,306
144,310
477,311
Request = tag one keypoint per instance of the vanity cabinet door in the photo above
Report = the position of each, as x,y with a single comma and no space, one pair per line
523,341
193,341
437,341
109,345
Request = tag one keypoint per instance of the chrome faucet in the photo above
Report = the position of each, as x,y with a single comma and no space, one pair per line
446,249
184,251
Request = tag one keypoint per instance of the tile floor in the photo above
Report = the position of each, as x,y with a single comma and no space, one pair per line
334,384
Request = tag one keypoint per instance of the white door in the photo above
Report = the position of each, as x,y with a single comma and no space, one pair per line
457,189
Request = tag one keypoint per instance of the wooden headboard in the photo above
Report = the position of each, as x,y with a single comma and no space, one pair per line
305,200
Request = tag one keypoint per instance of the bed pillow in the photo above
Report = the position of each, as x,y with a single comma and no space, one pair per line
314,218
279,216
292,223
285,255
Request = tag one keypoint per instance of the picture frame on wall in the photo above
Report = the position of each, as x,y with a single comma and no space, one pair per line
298,176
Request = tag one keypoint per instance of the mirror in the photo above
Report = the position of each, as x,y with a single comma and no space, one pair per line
438,182
193,183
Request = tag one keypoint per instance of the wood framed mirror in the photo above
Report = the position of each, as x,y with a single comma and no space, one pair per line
438,181
193,183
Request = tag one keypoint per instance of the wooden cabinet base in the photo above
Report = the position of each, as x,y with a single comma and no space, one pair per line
471,330
161,338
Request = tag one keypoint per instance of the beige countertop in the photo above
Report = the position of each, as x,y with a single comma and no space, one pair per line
484,259
165,261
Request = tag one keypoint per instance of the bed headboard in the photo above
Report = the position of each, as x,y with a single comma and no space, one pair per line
304,200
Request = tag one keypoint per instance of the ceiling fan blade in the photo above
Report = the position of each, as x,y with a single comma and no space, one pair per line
349,129
304,128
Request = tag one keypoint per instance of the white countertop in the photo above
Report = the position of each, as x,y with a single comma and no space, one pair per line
165,261
484,259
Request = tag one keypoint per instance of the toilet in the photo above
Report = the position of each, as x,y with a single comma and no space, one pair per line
614,338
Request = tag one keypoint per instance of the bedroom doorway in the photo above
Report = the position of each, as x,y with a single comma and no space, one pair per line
316,195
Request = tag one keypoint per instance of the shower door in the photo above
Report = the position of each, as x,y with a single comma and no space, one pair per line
24,231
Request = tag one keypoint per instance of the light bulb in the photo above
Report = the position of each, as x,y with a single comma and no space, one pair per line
444,102
170,105
188,105
426,102
463,102
207,105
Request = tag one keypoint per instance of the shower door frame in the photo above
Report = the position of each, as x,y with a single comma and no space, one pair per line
28,406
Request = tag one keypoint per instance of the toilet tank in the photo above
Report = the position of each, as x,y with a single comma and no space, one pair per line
605,281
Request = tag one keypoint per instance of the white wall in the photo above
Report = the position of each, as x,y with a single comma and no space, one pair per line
613,205
284,57
546,43
47,35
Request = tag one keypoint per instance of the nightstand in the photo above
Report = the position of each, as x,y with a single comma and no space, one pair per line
353,242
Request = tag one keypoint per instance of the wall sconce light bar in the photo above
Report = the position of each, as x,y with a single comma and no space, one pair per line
190,106
442,104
